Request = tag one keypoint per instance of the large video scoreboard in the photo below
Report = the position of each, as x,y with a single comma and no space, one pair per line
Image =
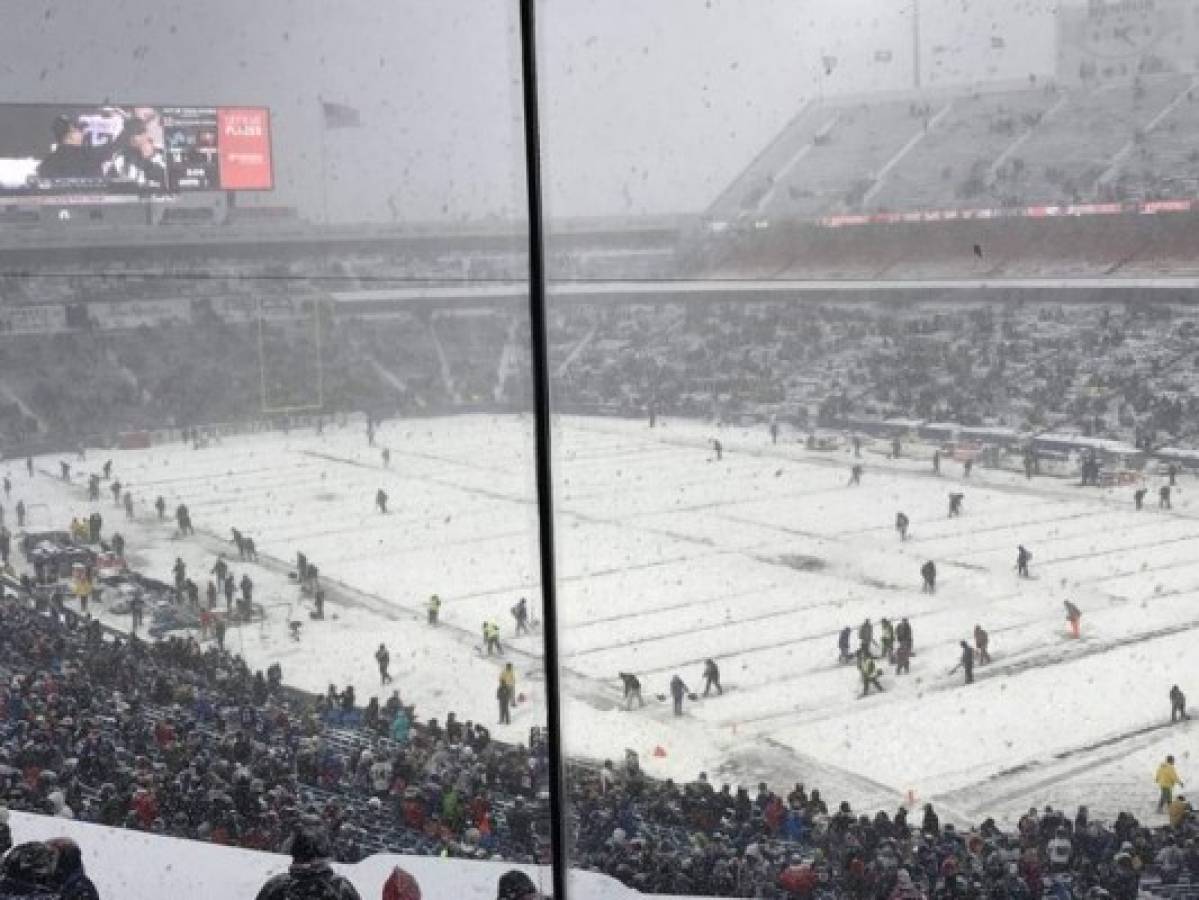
64,152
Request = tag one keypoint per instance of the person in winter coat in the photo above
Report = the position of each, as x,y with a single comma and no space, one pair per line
930,824
870,674
711,677
1059,850
309,874
383,658
520,612
955,504
887,639
1178,810
678,690
1023,558
965,662
400,727
1167,779
70,879
1074,617
865,637
58,805
901,525
1124,882
516,885
400,886
843,644
904,888
508,677
27,873
981,640
928,573
632,690
1178,705
491,638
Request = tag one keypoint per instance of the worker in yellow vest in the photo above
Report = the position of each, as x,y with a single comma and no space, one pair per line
1167,779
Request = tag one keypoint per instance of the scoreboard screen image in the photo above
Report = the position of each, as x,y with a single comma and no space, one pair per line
59,151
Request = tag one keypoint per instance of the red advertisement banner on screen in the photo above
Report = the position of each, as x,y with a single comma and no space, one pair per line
244,148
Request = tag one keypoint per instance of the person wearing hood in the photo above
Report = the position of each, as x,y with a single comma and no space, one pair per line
400,886
905,889
69,877
309,874
516,885
966,662
28,872
58,805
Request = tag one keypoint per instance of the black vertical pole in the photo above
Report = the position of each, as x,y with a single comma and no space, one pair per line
541,411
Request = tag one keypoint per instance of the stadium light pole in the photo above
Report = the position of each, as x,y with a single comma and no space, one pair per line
544,469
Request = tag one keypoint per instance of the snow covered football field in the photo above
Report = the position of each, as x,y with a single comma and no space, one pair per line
666,557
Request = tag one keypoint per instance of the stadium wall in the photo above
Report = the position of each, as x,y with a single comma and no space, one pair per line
135,865
1162,244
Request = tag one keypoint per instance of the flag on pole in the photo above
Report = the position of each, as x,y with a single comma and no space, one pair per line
340,115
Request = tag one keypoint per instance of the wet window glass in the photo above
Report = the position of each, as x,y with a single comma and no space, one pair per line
271,606
874,433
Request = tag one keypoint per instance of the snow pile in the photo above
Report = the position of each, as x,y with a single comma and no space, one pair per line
133,865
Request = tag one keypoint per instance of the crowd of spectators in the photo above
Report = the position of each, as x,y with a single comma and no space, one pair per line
1114,370
661,837
1111,370
176,739
170,738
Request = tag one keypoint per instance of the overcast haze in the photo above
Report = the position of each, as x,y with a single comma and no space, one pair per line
648,107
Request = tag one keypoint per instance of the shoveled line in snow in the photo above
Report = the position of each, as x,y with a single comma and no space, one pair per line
1040,660
826,668
1150,570
1088,514
206,472
339,592
646,452
442,547
744,481
597,573
682,537
387,608
686,604
402,452
435,479
712,504
362,530
1052,773
1094,554
774,526
669,635
1025,489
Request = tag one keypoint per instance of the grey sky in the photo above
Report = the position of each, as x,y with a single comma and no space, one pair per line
649,106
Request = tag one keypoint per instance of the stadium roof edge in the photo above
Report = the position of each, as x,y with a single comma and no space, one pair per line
750,289
40,238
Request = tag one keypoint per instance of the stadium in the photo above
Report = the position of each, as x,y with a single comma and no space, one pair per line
268,496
